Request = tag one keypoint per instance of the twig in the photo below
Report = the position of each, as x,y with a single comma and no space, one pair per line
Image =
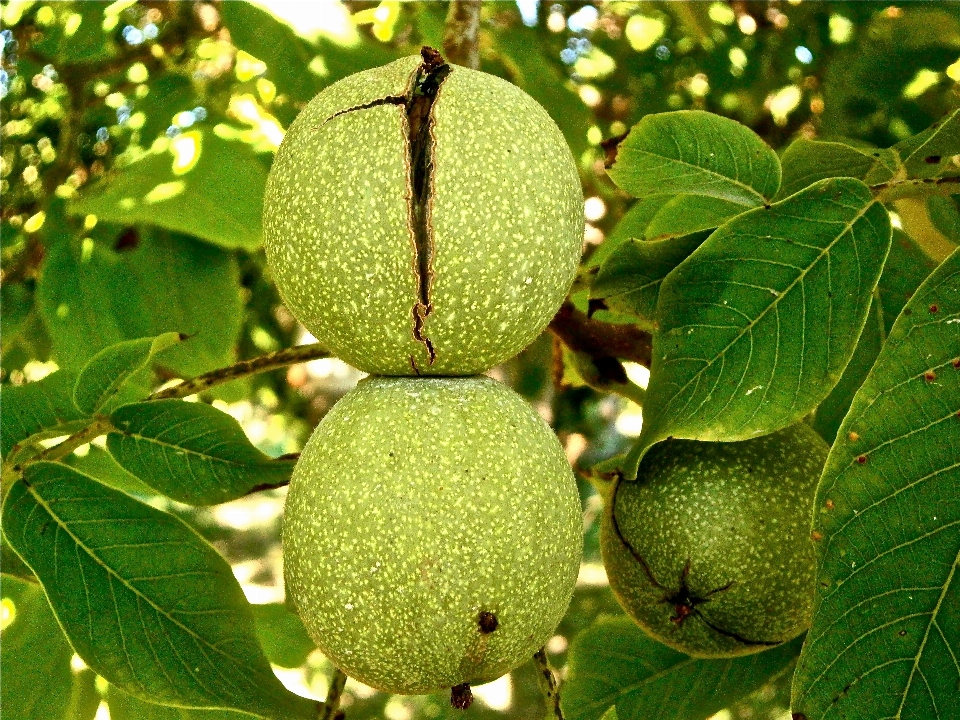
329,708
461,38
601,341
263,363
914,187
548,685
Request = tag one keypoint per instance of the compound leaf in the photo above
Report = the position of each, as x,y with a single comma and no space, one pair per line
886,625
146,602
697,153
807,161
685,214
615,664
114,375
191,452
758,324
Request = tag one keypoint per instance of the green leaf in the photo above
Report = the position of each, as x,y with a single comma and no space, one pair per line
114,376
907,266
632,226
38,682
44,407
282,635
830,413
807,161
886,624
615,664
758,324
286,56
687,214
99,464
697,153
11,563
92,297
629,280
145,601
930,154
191,452
124,706
216,196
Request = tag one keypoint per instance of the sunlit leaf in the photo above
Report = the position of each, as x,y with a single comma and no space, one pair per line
758,324
886,622
114,375
697,153
38,682
191,452
615,664
145,601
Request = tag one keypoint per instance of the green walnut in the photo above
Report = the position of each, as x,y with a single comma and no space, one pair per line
423,219
432,533
709,550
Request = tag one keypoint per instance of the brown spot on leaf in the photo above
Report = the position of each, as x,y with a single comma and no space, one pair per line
929,376
816,536
934,309
932,159
829,504
861,459
853,436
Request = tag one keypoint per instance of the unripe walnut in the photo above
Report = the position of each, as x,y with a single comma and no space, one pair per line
709,550
432,533
422,218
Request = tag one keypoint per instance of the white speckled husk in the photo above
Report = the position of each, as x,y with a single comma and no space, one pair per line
416,505
740,512
507,215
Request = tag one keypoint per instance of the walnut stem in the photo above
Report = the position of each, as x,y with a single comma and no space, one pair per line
329,708
461,38
548,685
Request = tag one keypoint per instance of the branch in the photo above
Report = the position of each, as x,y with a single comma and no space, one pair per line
263,363
915,187
461,38
328,710
601,341
548,685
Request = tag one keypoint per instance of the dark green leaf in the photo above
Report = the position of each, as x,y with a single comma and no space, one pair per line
907,266
92,297
886,624
687,214
38,682
45,407
807,161
282,635
629,280
615,664
830,412
145,601
216,196
191,452
697,153
758,324
100,465
930,153
12,564
945,216
114,376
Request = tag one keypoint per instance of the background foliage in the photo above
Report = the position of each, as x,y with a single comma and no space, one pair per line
136,141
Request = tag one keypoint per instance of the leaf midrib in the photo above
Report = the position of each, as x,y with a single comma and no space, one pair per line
113,573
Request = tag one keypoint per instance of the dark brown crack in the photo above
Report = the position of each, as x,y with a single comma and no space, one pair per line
685,603
388,100
419,105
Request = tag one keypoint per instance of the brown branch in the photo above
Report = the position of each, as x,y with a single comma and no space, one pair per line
461,38
601,341
914,187
548,685
263,363
338,681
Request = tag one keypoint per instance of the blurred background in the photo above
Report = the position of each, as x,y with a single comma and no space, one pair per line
136,139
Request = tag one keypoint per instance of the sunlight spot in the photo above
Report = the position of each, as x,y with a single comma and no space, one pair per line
496,695
164,191
643,31
186,149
